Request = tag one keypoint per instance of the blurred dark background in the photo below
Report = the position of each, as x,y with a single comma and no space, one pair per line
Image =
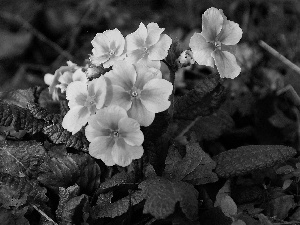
38,36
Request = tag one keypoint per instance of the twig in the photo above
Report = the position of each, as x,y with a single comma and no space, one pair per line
36,33
291,94
277,55
44,214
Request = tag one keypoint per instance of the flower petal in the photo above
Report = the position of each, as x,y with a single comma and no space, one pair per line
101,44
112,60
101,148
155,95
66,78
123,154
76,93
97,88
212,22
75,119
48,78
120,97
94,130
108,118
154,33
98,60
135,55
145,61
202,50
129,129
79,75
123,74
226,64
159,51
97,123
140,113
230,34
116,39
136,39
145,74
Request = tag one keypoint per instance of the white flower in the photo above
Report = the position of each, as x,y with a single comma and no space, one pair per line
115,138
147,45
108,48
215,43
140,90
84,100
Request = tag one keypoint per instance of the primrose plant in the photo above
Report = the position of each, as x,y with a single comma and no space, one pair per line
113,105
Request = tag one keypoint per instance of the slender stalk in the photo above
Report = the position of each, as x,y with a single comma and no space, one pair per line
172,80
44,214
280,57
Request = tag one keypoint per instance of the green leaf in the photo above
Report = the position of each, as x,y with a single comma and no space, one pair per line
173,54
9,217
195,167
213,126
224,191
89,178
228,206
280,206
54,130
63,169
20,188
203,100
70,207
106,208
20,158
162,195
58,135
19,118
18,97
286,184
285,169
245,159
116,180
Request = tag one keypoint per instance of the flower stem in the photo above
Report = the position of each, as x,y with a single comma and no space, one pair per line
172,80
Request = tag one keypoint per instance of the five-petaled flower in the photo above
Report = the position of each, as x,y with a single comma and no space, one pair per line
140,90
147,45
54,80
214,43
84,100
115,138
108,48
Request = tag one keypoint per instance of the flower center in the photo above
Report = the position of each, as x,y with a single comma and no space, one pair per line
134,93
116,134
90,101
111,52
218,45
146,51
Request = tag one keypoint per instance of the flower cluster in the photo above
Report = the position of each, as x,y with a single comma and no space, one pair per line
116,104
113,105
